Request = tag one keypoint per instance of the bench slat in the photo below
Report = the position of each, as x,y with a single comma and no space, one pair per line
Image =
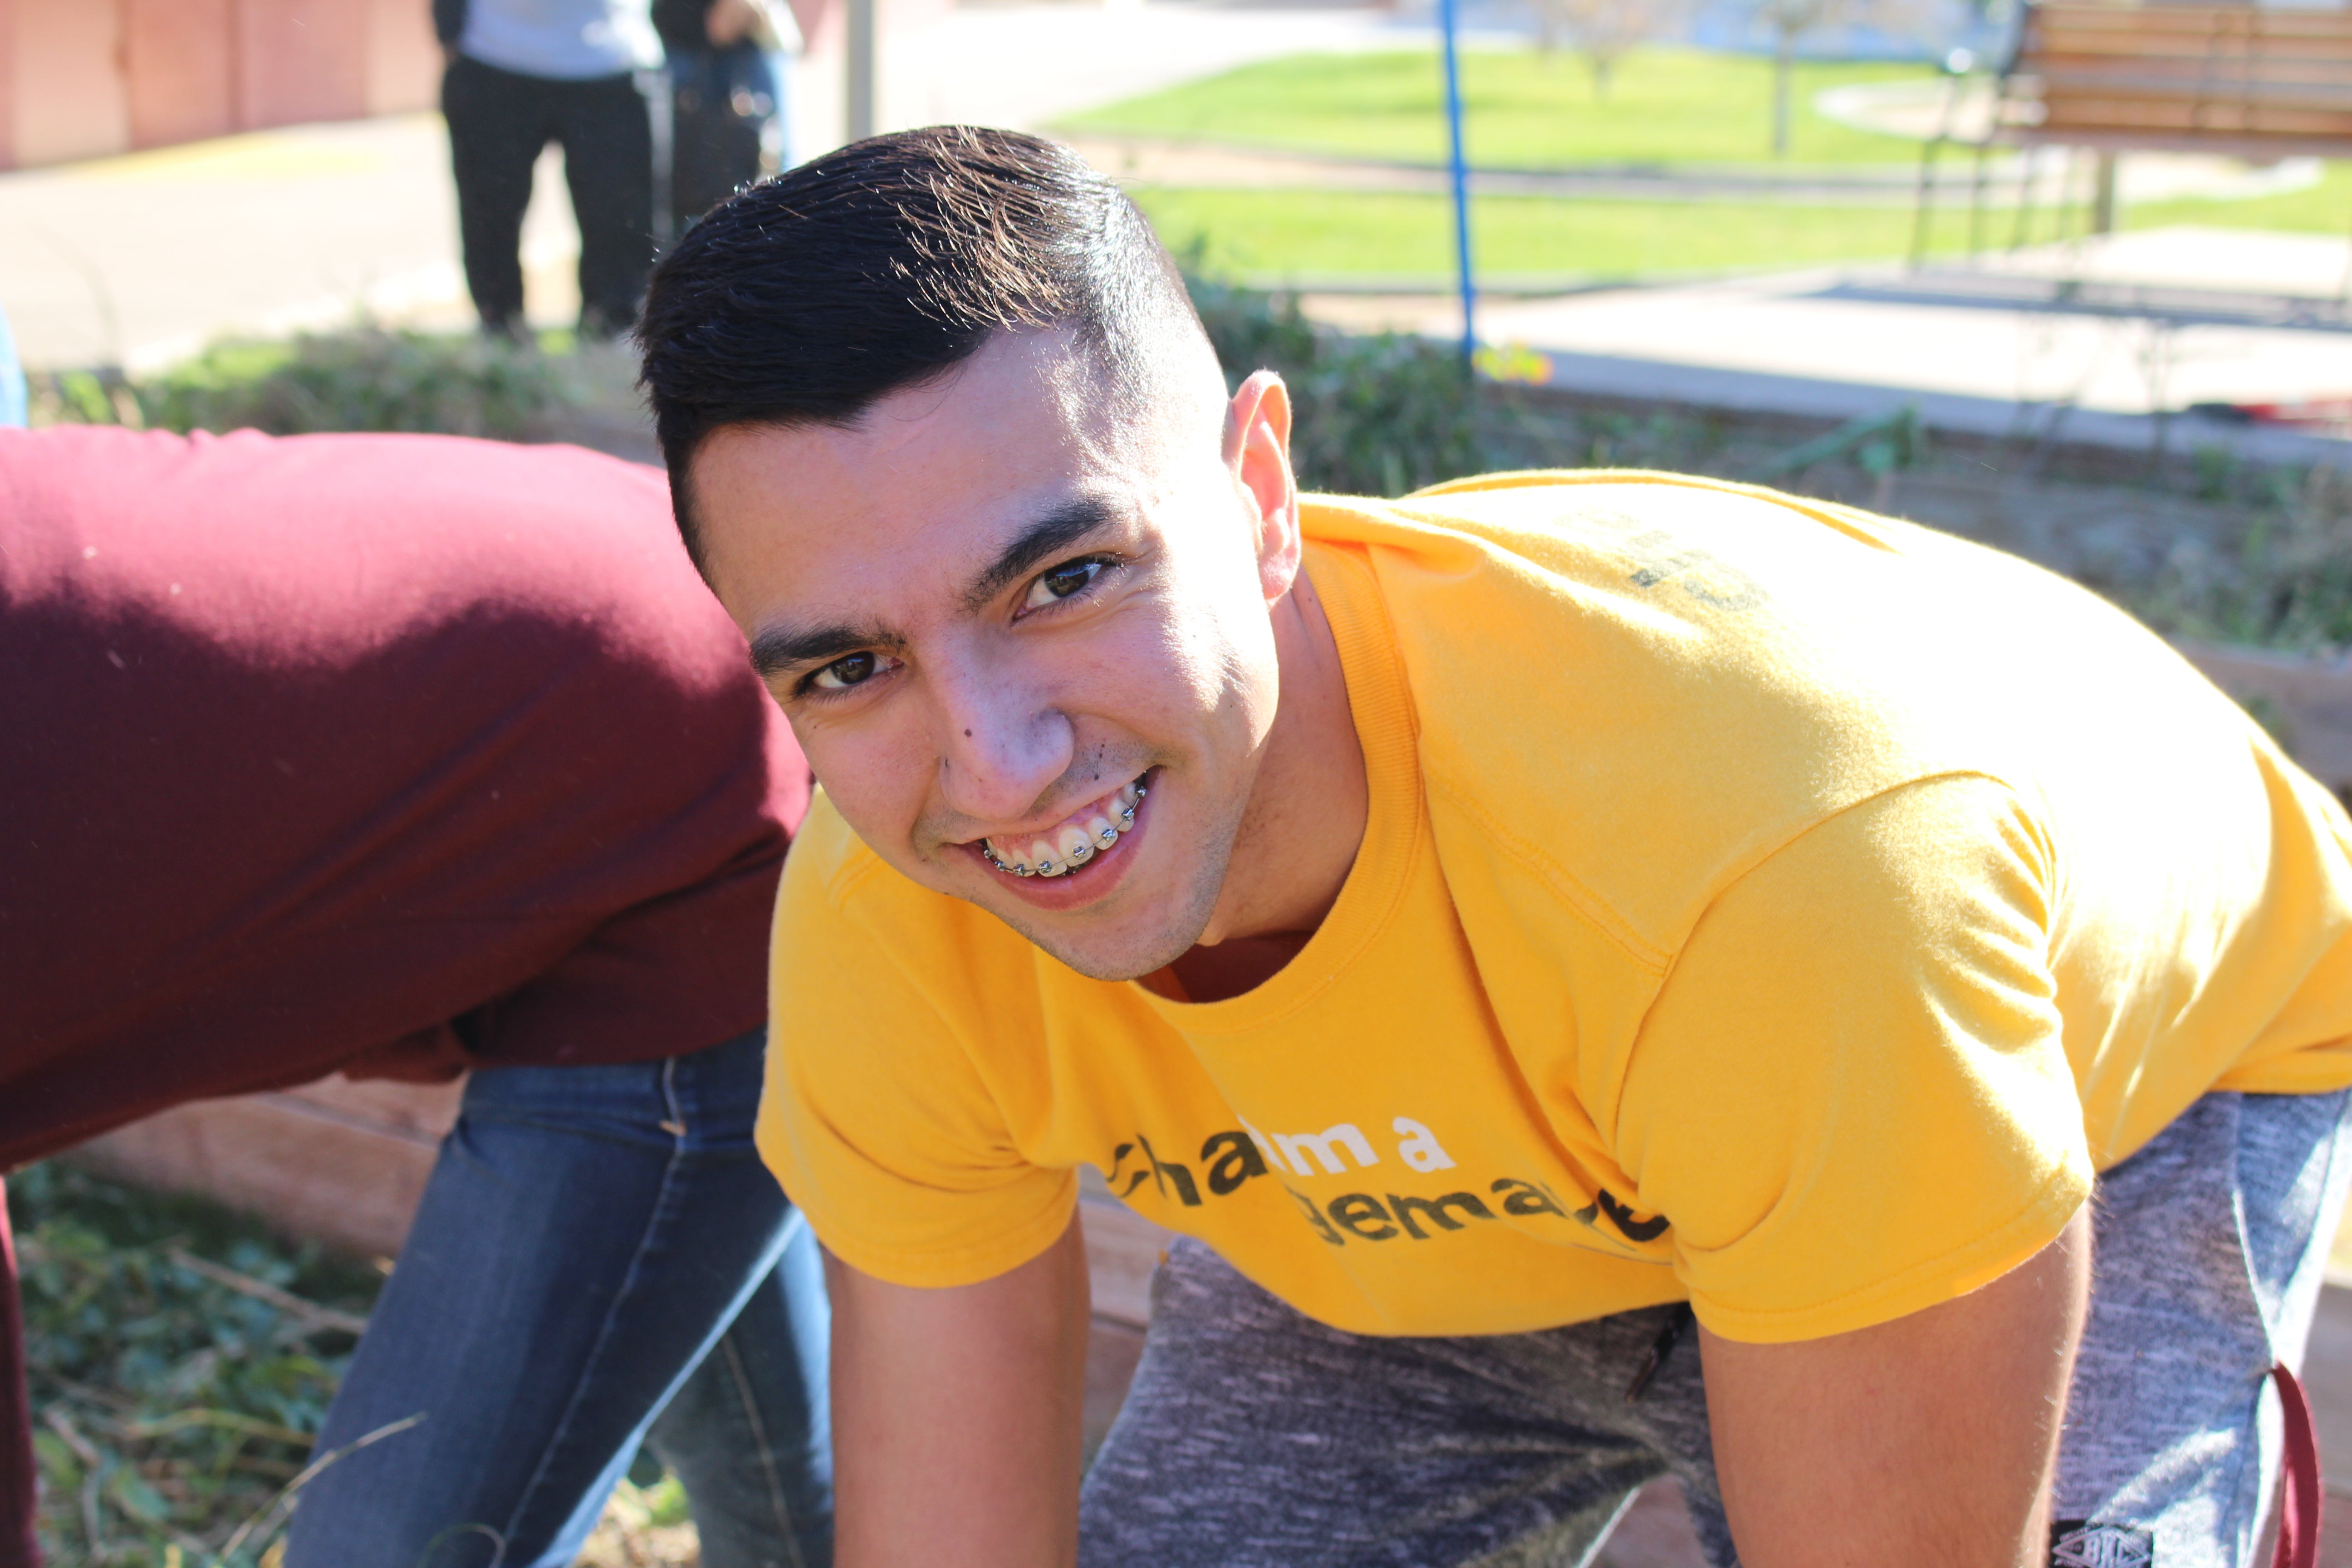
2187,55
2295,91
2235,80
2165,108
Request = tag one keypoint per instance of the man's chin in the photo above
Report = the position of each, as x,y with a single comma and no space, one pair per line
1132,933
1100,949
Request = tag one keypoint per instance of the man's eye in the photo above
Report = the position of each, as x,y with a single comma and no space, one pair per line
843,673
1061,581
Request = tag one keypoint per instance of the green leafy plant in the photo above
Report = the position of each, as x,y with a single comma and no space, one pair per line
1374,415
369,378
179,1362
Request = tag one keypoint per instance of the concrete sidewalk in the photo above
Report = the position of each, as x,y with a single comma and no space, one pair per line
2101,342
142,260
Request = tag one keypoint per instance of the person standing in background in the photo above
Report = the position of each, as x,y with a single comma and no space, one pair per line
728,60
523,73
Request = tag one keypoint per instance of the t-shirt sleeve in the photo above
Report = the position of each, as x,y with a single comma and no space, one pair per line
1851,1097
875,1116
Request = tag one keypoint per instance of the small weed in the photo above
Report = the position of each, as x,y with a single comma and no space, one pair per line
2284,582
2215,469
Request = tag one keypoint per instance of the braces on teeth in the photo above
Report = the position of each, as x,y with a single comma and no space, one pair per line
1073,845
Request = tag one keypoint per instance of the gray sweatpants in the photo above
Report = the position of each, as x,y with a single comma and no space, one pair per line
1254,1437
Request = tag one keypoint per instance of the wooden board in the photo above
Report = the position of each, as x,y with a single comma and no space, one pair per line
1122,1250
338,1163
2306,703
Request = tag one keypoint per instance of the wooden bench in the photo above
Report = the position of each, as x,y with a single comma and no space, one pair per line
2238,81
2241,81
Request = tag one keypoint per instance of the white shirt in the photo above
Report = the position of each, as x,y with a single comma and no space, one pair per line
565,40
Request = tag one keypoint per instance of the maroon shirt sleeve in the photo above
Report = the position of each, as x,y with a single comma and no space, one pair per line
387,752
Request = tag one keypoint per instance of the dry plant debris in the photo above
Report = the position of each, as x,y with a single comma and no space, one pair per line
180,1364
181,1359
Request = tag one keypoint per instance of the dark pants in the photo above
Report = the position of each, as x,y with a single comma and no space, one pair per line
720,99
498,122
1256,1438
596,1242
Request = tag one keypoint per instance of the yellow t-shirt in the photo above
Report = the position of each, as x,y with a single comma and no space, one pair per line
1763,903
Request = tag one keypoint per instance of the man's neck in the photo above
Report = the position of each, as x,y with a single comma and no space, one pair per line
1305,821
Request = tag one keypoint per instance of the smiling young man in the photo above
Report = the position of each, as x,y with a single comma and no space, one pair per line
1491,926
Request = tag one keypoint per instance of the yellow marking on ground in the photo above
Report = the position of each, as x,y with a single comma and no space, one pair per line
255,155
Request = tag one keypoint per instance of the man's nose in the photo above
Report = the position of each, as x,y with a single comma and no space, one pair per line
1001,744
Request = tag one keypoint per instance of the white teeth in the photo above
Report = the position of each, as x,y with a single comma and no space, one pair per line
1072,845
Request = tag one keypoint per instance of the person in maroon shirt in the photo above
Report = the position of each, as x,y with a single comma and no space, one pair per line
398,757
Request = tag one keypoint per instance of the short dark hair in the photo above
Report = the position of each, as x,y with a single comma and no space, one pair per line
806,300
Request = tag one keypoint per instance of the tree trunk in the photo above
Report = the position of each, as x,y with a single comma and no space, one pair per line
1784,64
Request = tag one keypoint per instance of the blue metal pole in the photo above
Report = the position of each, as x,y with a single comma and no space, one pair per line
1450,17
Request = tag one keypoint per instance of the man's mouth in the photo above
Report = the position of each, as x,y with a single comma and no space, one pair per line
1071,844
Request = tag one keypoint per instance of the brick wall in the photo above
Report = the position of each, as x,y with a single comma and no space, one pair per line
83,78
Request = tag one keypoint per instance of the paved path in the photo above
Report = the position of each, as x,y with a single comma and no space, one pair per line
2086,343
140,260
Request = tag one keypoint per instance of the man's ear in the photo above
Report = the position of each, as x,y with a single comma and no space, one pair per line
1257,452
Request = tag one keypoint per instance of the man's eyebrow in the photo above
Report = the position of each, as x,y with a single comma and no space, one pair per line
1043,539
781,648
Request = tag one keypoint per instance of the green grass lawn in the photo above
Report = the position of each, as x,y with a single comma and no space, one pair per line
1281,236
1277,236
1525,110
2325,208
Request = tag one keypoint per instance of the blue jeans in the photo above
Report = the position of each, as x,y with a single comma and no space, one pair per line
596,1242
12,379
